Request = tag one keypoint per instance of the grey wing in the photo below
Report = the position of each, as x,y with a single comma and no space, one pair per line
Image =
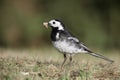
72,40
66,34
85,48
76,42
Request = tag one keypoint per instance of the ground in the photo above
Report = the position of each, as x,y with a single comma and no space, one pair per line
46,65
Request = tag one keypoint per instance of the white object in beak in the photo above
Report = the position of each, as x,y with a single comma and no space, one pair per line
45,24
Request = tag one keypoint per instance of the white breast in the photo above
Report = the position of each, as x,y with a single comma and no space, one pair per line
66,47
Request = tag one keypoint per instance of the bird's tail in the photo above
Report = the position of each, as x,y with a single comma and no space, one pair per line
100,56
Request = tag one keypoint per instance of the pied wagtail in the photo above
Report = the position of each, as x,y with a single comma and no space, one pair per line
66,43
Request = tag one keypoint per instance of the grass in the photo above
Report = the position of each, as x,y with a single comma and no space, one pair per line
45,65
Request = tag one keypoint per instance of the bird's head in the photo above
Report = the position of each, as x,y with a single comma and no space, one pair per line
54,24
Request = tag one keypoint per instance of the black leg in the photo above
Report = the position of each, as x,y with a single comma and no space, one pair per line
65,58
70,58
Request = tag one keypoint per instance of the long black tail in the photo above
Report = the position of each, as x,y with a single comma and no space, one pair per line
100,56
95,54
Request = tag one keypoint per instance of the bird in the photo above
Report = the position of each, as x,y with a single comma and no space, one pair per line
67,43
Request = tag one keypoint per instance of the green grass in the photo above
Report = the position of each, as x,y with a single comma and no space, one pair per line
45,65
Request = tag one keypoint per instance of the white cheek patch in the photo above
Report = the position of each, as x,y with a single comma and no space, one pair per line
57,24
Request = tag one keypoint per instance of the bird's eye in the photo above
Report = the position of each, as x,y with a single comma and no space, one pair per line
53,22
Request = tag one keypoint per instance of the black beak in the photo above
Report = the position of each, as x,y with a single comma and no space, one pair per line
49,24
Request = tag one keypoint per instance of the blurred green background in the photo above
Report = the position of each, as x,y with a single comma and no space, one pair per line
95,22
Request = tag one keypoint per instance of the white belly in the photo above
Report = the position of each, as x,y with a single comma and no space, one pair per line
66,47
